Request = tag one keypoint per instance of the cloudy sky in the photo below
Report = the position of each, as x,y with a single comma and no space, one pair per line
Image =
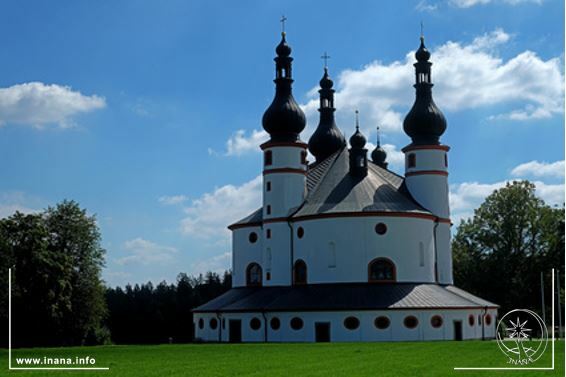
148,113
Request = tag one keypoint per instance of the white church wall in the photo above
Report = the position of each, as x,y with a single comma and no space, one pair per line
340,249
431,192
245,252
367,331
280,248
444,253
287,191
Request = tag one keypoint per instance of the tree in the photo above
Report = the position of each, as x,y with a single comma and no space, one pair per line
58,295
500,252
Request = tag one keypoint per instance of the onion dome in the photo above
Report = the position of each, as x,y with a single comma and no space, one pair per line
422,53
283,120
327,138
358,154
378,155
358,140
424,123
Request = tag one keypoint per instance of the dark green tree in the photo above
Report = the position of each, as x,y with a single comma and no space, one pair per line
56,260
512,237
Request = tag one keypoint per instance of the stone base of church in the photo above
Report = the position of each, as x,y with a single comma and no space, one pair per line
420,324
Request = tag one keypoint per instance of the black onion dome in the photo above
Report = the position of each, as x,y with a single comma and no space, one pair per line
378,156
325,81
283,49
424,123
283,120
327,138
422,53
358,140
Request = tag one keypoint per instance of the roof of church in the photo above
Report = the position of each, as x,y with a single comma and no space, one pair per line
339,192
341,296
332,190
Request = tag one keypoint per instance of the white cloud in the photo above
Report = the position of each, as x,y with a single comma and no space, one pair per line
146,252
471,3
539,169
467,196
218,264
466,76
208,216
172,200
12,201
425,6
38,104
240,143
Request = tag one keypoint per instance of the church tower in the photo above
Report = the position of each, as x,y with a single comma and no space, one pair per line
426,162
327,138
284,169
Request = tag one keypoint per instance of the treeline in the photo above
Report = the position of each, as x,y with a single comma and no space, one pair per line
160,314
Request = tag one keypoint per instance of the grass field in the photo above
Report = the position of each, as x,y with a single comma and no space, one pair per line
338,359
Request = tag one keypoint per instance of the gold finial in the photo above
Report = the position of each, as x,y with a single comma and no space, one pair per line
283,19
325,57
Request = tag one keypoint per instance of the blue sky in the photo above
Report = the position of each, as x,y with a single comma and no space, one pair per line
148,113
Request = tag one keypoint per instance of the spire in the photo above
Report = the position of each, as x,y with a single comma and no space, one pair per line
378,156
327,138
424,123
358,154
283,120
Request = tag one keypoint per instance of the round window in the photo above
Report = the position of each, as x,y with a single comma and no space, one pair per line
213,323
436,321
488,319
381,228
382,322
275,323
471,319
255,323
201,323
253,237
300,232
296,323
351,323
411,322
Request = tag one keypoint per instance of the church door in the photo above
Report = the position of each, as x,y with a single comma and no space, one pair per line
235,330
457,330
322,331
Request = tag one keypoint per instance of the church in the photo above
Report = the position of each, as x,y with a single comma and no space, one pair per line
343,249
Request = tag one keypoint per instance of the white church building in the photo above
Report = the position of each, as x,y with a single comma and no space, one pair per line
344,249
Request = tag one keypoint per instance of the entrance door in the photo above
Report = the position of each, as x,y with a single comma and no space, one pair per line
457,330
235,330
322,331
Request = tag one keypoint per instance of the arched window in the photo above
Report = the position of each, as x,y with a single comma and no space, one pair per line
213,323
304,157
471,319
421,254
411,160
300,272
381,270
253,275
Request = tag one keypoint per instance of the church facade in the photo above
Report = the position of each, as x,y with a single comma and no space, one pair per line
344,249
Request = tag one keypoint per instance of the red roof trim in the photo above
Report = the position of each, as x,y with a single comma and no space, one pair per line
427,172
295,144
284,170
408,148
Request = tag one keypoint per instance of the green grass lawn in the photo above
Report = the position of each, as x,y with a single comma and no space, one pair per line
337,359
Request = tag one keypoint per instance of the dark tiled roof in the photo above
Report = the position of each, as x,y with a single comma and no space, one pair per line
331,189
339,192
343,296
